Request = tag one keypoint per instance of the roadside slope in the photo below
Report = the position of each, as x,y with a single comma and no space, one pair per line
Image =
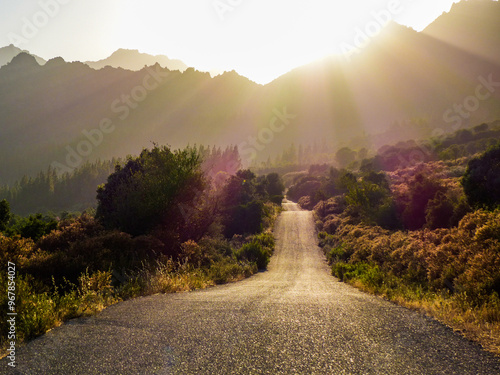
294,318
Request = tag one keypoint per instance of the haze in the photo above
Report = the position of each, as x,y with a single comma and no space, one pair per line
259,39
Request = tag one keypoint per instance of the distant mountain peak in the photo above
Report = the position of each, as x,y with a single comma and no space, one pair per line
133,59
24,61
9,52
471,26
55,62
126,51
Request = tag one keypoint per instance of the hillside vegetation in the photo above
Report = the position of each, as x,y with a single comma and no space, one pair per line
424,234
166,221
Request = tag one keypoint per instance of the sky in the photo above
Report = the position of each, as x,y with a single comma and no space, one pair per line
260,39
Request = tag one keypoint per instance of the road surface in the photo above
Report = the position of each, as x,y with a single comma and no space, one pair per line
293,319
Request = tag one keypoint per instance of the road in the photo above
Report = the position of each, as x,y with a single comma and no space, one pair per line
294,318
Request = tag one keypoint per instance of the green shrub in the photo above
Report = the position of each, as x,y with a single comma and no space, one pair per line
266,240
337,254
481,183
227,270
347,271
254,252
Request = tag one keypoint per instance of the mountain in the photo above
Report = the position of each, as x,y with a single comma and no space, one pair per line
134,60
472,26
403,85
49,112
11,51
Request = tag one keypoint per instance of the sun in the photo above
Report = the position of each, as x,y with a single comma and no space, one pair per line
260,39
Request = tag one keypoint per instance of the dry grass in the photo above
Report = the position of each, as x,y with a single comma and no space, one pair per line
481,325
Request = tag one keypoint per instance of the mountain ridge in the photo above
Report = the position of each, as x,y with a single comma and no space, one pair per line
8,53
403,85
132,59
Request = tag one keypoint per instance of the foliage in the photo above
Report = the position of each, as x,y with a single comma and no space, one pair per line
242,202
481,181
15,249
254,252
4,214
40,309
345,156
422,189
371,200
78,265
227,270
49,191
33,226
320,184
463,260
144,195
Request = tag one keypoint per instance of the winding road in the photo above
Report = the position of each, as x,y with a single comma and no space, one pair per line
293,319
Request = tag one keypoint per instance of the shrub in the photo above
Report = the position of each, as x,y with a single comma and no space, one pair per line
307,186
338,254
227,270
95,290
306,203
254,252
15,249
33,226
439,212
70,231
147,192
245,219
481,182
113,250
4,214
423,189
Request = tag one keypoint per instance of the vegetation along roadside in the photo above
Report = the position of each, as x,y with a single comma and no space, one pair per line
426,236
166,221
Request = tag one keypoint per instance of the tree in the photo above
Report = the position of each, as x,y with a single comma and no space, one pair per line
439,212
4,214
345,156
274,186
242,207
35,226
147,193
371,200
422,189
481,181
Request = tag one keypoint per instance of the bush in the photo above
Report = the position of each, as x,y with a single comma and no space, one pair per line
4,214
337,254
481,182
226,271
113,250
15,249
147,192
423,189
39,309
254,252
245,219
307,186
33,226
70,231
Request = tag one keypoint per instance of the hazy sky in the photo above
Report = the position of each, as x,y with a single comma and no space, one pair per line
260,39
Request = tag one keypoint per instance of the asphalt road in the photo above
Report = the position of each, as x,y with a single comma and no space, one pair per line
293,319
